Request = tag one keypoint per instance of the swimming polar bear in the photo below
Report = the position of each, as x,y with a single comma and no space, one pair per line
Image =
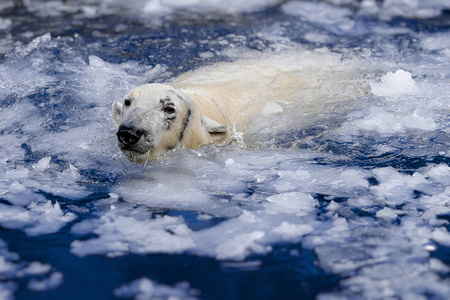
193,111
157,117
205,106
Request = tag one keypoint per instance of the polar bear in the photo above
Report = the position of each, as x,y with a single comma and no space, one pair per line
154,118
204,106
196,109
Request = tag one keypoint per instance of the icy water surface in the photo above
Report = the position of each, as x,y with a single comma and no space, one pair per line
340,192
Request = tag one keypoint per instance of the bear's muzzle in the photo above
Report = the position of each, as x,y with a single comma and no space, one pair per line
129,136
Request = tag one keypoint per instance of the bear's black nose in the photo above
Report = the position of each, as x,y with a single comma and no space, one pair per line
129,135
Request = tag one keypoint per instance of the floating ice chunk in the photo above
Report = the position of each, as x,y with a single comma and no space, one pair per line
316,37
288,180
155,7
109,81
438,266
352,177
13,217
46,218
17,173
16,187
35,44
5,23
439,173
439,41
442,236
413,8
120,234
323,180
162,7
229,161
418,122
84,227
6,253
110,248
394,84
292,232
386,213
241,246
204,217
271,108
248,217
49,222
333,206
37,268
319,12
69,175
6,266
144,288
291,203
207,54
52,282
438,204
141,287
161,188
388,123
430,247
42,164
7,290
340,225
250,265
61,183
6,4
397,188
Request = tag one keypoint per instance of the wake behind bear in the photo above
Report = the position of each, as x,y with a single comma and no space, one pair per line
207,105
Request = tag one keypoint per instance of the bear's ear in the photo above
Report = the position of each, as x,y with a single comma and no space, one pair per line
217,131
117,109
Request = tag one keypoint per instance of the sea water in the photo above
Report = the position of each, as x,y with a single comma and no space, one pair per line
342,192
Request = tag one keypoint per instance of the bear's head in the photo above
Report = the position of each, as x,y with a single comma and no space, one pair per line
151,120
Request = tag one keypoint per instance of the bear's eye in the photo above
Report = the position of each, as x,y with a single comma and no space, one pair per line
127,102
169,110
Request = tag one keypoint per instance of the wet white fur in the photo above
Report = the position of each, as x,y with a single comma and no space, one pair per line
219,96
